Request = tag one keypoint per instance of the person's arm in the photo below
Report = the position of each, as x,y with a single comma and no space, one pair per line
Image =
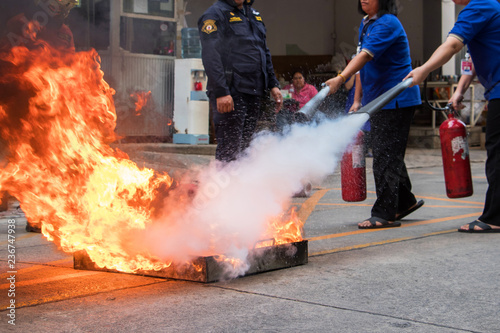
462,86
358,94
212,41
349,83
440,57
352,68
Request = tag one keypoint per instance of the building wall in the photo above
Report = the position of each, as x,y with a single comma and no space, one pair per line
320,27
431,26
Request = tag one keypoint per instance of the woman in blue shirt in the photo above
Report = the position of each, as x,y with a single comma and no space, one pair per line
478,27
383,61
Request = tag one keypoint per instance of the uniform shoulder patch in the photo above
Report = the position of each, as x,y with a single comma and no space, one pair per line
209,26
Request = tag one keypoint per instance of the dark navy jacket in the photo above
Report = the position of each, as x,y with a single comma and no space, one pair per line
234,50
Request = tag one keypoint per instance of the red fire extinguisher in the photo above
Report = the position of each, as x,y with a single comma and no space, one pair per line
456,161
455,153
353,171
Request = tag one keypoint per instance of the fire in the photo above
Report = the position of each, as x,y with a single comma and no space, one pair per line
287,228
58,122
142,98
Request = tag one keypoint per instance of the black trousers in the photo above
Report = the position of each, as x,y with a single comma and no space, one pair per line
491,212
234,130
389,134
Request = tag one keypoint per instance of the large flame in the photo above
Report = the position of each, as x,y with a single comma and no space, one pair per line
57,119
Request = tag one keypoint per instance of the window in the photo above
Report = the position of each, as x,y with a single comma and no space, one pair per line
163,8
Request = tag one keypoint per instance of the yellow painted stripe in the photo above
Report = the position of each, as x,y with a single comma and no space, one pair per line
309,205
389,241
406,225
360,246
50,279
422,172
345,204
65,296
440,232
367,205
38,266
450,200
21,237
430,198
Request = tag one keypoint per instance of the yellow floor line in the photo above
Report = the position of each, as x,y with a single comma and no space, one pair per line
425,206
422,172
389,241
450,200
405,225
440,232
50,279
360,246
38,266
20,237
308,206
345,204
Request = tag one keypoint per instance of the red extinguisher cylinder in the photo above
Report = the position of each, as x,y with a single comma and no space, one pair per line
456,161
353,171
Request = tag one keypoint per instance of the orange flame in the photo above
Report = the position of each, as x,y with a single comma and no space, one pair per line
58,119
287,228
142,98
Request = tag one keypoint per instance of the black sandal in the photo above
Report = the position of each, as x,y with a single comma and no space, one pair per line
410,210
485,228
383,223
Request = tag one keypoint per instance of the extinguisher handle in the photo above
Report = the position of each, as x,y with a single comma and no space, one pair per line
448,108
429,104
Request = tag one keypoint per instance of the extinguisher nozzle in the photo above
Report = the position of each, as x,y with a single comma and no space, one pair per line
378,103
311,107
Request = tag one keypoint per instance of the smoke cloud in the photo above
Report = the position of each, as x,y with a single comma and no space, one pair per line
234,202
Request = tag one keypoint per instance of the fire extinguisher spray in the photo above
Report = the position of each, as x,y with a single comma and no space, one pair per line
353,171
456,161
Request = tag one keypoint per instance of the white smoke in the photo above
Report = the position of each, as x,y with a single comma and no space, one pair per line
233,202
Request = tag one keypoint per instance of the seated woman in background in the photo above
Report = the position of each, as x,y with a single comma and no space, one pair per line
299,90
300,93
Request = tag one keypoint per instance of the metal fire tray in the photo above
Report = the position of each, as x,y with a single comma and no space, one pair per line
208,269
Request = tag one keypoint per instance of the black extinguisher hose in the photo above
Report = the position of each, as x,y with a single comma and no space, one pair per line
447,109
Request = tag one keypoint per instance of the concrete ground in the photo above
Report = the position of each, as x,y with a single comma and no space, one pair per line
422,277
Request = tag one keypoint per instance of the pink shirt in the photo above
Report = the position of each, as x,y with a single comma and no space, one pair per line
305,94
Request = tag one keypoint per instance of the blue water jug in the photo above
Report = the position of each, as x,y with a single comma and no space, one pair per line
191,45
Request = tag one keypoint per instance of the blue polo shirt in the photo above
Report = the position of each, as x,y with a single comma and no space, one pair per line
385,40
478,26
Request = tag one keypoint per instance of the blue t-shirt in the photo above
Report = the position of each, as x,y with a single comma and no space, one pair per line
385,40
478,26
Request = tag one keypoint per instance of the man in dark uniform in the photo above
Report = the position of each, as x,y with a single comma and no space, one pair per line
239,69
